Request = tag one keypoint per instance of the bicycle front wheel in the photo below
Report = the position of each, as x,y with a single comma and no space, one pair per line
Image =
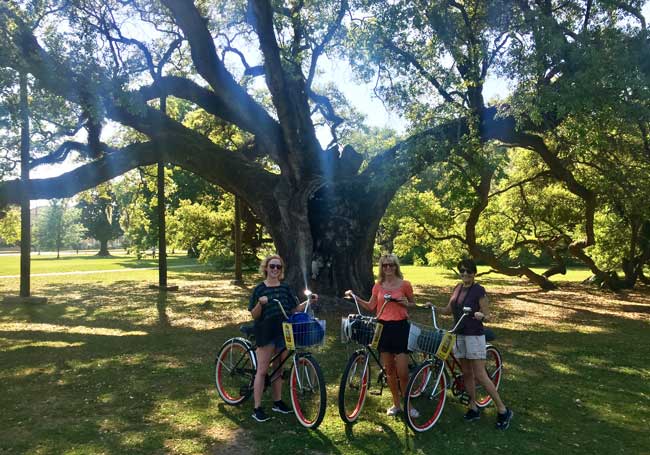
354,387
425,396
415,360
494,368
307,389
234,368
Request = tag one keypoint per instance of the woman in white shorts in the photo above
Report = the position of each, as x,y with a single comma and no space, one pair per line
470,342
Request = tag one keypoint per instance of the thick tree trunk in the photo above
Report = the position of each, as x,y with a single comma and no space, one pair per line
103,248
328,241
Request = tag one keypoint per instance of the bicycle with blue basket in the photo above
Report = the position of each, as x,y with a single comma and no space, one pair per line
426,392
236,364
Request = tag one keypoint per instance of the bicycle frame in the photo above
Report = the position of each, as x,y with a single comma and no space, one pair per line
356,381
426,391
367,348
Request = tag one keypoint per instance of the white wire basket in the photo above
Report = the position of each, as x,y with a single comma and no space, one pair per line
363,330
424,338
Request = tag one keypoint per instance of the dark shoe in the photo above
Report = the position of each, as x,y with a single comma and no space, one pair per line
279,406
503,420
472,415
260,415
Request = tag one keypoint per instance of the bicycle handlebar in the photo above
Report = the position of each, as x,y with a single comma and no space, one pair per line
466,312
281,308
381,310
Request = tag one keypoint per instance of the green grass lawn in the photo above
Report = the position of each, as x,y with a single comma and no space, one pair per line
48,263
108,367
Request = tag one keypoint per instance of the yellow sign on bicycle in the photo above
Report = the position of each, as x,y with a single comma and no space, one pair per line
287,329
446,345
379,327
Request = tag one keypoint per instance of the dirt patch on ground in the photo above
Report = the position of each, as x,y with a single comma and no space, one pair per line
232,442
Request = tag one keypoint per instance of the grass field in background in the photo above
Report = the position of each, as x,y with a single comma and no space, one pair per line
48,263
109,367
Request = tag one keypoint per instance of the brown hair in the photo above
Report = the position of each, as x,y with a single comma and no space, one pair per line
265,262
388,259
468,264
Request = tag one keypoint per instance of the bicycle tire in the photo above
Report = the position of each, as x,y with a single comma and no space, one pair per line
307,390
429,403
353,389
494,367
415,360
234,368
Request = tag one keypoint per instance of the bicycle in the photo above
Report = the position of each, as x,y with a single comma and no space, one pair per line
355,382
427,388
236,364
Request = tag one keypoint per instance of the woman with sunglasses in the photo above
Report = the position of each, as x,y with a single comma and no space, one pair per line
470,341
268,329
394,317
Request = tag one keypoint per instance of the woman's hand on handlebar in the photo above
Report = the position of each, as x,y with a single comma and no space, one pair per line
403,301
348,294
478,315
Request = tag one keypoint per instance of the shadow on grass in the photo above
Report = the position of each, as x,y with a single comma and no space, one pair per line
119,368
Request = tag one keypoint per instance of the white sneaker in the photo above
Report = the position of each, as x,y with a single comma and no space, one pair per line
393,411
414,413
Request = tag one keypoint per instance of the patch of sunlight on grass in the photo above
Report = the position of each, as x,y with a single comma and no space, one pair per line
76,330
42,344
643,374
564,368
25,372
132,439
184,446
107,398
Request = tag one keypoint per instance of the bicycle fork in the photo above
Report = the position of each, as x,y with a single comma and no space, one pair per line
300,378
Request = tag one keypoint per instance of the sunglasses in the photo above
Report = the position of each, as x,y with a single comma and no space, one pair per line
275,266
469,272
388,264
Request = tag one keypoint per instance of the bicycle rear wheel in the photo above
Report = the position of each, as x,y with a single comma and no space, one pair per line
307,388
494,367
353,389
425,396
235,367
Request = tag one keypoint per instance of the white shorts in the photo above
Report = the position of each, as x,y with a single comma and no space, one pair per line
470,347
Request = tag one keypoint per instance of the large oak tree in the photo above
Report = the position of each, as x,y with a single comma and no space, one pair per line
322,205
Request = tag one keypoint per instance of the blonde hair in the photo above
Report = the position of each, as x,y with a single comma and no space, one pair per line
389,259
265,262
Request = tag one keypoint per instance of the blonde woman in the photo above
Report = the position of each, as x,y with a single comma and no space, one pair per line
393,314
267,324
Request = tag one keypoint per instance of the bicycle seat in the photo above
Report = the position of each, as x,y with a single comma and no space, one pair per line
247,330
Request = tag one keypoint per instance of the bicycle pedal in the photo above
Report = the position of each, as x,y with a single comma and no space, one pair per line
245,390
375,392
463,398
